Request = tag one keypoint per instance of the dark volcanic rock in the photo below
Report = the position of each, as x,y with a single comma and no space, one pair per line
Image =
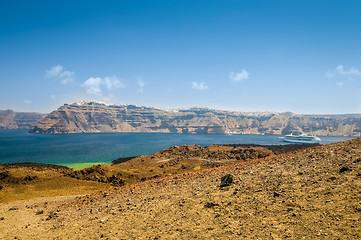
344,169
210,204
226,180
98,173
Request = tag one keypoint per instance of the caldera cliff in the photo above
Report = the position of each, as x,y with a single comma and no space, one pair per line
94,117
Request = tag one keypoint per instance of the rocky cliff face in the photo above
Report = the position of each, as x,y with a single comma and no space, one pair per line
98,117
18,120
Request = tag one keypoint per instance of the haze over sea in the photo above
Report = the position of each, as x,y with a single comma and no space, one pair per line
85,149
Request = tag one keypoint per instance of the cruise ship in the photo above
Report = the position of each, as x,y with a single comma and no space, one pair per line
303,138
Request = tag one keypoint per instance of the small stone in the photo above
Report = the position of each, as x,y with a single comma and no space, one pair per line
331,179
344,169
39,212
13,208
2,218
210,204
226,180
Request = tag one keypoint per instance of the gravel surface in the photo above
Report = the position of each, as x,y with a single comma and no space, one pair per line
312,193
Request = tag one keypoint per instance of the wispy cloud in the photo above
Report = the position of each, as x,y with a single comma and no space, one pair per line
199,86
340,70
95,85
54,71
340,84
113,83
92,85
60,73
28,101
351,71
239,76
329,74
141,84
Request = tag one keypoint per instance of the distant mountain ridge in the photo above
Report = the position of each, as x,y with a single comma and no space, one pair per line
92,116
10,119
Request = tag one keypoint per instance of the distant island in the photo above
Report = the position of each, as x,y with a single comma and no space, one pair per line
10,119
92,117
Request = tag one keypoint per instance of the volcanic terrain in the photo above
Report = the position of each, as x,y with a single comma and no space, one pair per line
312,193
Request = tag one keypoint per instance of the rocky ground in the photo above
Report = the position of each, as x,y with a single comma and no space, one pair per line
313,193
186,158
22,181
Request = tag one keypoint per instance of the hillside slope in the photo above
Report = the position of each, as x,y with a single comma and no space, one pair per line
29,180
309,194
98,117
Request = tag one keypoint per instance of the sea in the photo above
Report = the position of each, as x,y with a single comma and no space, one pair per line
82,150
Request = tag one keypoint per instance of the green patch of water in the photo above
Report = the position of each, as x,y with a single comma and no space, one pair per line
79,166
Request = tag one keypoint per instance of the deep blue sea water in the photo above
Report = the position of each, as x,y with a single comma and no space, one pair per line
65,149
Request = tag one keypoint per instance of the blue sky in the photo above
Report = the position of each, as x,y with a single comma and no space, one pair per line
300,56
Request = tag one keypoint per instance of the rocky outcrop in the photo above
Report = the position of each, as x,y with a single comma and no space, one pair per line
180,159
18,120
99,117
212,153
98,173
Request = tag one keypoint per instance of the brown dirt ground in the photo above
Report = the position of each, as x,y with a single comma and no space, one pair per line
21,181
26,181
309,194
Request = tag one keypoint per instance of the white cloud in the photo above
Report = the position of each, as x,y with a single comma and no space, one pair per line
54,71
92,85
340,70
95,85
352,71
340,84
28,101
53,97
199,86
239,76
113,82
60,73
66,77
329,74
141,84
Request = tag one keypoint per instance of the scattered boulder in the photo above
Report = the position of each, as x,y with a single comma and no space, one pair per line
4,175
210,204
98,173
39,212
344,169
330,179
276,194
29,178
226,180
